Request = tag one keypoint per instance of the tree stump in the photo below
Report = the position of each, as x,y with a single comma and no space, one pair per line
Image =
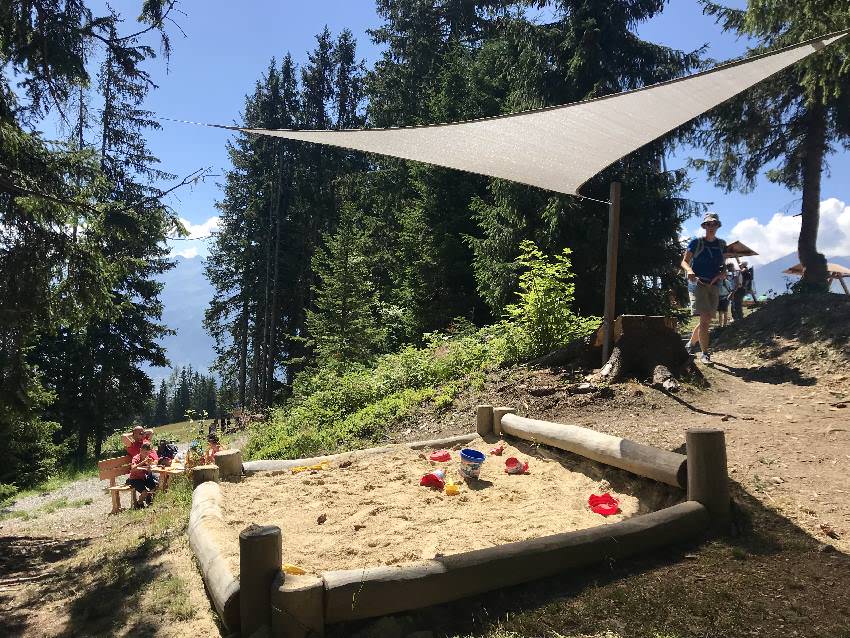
229,464
647,348
204,473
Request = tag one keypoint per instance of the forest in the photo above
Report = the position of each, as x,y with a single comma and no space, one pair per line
327,259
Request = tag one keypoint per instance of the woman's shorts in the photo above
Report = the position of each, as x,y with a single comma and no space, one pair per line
148,483
704,300
723,304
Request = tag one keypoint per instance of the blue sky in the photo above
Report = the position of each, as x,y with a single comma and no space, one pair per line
228,45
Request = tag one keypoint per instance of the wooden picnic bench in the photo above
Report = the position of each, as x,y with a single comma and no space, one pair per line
110,469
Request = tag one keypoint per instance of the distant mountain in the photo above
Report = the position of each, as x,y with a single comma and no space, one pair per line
185,297
770,277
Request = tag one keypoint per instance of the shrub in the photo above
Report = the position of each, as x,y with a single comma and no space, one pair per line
336,405
543,319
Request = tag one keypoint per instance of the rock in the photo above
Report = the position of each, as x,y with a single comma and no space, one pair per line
777,479
322,518
827,529
826,548
584,388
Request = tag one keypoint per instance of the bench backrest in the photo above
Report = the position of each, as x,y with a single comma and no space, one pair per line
111,468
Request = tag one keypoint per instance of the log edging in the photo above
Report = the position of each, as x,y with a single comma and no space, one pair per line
272,467
364,593
222,584
644,460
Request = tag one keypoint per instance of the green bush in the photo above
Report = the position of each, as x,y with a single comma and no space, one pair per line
543,319
332,407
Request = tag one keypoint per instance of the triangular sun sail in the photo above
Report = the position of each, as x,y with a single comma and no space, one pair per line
560,148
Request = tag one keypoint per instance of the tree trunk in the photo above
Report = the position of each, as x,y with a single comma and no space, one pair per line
814,263
243,350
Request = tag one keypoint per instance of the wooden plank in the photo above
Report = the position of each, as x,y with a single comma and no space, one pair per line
110,468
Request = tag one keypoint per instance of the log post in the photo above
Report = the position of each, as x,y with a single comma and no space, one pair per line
204,473
498,413
229,465
708,481
484,420
611,270
260,560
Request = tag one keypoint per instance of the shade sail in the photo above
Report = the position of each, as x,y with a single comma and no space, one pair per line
560,148
739,249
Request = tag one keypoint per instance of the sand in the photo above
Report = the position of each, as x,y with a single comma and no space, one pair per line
376,513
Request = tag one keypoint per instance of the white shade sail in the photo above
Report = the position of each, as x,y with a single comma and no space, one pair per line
560,148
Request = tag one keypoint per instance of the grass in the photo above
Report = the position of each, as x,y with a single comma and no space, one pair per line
169,594
64,476
46,508
124,579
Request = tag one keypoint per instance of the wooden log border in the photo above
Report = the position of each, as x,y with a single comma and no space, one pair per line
222,585
303,605
283,466
644,460
364,593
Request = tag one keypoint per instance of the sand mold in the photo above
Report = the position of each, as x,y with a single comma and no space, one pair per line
376,513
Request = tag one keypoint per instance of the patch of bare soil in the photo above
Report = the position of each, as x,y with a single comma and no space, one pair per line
374,512
798,337
77,571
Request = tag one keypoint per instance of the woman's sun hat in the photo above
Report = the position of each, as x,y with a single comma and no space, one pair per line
710,217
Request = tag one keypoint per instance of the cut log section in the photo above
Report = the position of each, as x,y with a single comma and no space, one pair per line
648,348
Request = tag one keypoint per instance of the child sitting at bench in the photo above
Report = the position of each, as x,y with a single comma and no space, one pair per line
213,448
141,478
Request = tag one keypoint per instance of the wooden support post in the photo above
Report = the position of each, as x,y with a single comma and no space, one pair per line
843,285
204,473
708,481
498,413
260,560
229,465
484,420
611,269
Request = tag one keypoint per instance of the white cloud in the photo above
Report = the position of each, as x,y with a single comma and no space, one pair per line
778,237
204,229
196,243
189,253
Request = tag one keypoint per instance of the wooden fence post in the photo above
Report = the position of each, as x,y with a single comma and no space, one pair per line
498,413
204,473
484,420
260,560
708,481
611,271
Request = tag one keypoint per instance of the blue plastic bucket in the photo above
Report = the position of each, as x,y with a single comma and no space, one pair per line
470,463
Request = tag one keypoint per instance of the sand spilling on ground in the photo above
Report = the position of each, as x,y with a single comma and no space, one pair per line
376,513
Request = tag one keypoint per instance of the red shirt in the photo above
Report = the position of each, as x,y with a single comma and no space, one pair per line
134,448
141,473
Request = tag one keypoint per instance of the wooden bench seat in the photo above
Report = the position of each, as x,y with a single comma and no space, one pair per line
110,469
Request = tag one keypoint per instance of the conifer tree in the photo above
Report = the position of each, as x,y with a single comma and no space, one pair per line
788,125
344,325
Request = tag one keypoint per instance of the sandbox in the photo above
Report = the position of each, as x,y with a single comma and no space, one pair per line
372,541
374,512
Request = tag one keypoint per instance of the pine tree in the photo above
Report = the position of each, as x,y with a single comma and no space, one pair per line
344,325
60,279
589,50
160,413
789,124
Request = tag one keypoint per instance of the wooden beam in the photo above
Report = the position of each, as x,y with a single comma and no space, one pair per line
611,269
